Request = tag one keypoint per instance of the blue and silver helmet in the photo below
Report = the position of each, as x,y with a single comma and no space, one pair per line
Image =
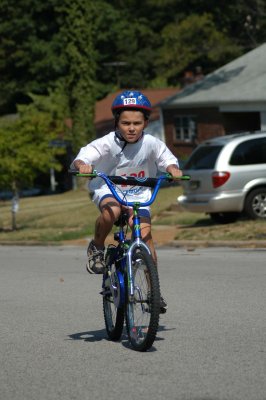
131,99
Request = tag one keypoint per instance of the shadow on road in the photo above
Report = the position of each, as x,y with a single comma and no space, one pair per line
89,336
98,335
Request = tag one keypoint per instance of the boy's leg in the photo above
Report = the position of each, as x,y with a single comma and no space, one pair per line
110,211
145,227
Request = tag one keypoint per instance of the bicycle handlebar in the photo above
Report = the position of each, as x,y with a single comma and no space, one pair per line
132,181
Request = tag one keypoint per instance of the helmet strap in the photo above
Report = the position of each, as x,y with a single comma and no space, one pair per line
122,139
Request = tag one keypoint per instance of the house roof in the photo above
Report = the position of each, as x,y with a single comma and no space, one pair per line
104,114
240,81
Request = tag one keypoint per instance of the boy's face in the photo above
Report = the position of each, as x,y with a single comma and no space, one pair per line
131,124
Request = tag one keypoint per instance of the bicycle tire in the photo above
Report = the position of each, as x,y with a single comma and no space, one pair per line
113,313
142,314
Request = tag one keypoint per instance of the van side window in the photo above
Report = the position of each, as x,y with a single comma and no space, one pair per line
204,157
249,152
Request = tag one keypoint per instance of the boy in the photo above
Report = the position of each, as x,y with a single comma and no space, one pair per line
125,151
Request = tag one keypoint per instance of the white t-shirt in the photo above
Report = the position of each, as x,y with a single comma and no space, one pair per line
142,159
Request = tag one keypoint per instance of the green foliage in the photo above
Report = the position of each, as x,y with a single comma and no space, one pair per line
25,142
46,45
125,42
89,48
29,50
190,43
77,34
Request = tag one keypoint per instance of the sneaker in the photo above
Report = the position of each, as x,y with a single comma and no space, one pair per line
163,306
95,264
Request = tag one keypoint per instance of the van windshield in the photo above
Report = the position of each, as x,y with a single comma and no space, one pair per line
204,157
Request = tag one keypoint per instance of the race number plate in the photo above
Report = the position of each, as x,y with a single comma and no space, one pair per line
129,100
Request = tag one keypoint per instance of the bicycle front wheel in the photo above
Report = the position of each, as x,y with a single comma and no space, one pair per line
113,301
142,312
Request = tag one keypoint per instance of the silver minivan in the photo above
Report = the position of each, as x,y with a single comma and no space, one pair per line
228,177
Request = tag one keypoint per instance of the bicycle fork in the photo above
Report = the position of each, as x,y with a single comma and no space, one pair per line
136,244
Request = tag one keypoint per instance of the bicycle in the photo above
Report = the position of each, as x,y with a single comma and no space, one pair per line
130,286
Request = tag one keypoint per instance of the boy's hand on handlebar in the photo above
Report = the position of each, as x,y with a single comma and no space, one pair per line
85,169
177,173
174,171
82,167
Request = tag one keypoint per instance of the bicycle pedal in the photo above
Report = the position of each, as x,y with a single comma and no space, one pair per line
105,292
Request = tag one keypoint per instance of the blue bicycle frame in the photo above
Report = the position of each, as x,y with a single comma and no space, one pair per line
137,241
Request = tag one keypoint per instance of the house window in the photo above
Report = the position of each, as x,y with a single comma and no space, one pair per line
185,128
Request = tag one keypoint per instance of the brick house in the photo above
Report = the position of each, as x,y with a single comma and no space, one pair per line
231,99
104,122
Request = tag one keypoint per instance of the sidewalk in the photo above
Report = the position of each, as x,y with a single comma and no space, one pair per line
189,244
163,236
219,243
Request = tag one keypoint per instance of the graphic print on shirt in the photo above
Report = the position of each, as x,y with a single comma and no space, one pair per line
137,172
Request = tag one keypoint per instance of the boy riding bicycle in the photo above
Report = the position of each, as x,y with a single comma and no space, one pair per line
125,151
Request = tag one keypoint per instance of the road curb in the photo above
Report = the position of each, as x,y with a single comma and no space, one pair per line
219,243
173,243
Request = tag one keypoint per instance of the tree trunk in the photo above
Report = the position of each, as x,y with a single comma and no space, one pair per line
15,205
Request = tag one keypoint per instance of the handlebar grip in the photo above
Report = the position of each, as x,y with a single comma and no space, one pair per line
77,173
182,178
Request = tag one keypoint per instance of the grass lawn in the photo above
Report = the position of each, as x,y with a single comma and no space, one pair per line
71,215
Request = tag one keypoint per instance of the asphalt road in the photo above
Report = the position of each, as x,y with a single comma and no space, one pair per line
211,344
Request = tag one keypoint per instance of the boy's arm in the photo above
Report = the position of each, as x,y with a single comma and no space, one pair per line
174,170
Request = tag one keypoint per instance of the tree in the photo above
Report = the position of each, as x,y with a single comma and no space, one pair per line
49,45
77,30
194,41
125,44
248,23
26,142
30,46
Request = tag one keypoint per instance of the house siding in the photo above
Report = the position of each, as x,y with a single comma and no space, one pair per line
209,123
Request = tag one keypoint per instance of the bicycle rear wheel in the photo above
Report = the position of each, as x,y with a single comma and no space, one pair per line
142,314
113,301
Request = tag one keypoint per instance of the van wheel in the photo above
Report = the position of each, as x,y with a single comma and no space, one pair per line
255,204
224,217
